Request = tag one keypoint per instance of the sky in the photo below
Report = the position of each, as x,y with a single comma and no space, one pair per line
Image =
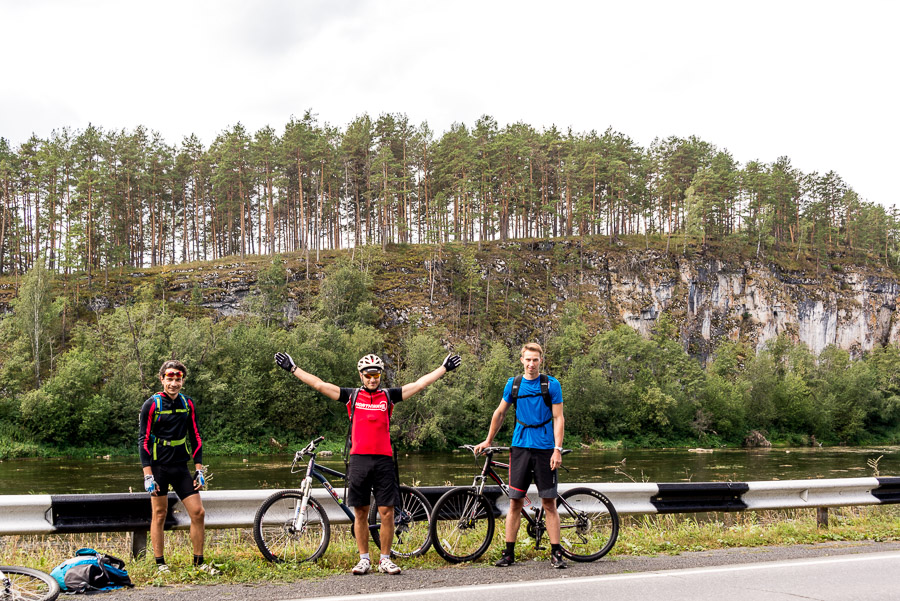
816,81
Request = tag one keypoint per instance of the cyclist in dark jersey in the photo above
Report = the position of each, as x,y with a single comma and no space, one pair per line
168,423
371,470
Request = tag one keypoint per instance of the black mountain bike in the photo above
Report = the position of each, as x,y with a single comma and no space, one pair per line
462,521
25,584
293,526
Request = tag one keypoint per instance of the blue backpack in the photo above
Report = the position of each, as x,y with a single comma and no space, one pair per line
91,570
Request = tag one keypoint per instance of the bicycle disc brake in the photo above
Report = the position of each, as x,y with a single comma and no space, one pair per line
583,525
402,521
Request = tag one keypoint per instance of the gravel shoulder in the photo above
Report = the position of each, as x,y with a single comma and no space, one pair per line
484,573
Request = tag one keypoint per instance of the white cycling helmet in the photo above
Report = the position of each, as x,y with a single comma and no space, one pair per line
370,363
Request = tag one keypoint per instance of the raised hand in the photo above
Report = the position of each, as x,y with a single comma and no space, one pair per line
285,362
451,362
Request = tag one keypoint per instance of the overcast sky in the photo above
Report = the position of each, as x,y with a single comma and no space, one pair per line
814,80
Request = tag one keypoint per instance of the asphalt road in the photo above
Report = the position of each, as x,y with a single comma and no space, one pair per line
515,579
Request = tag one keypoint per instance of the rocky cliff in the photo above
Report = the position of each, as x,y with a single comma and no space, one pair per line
517,290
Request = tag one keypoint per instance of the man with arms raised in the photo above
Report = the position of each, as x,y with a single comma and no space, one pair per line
371,469
536,452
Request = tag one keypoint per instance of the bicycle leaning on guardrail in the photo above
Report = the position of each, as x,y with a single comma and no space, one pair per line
25,584
292,526
462,521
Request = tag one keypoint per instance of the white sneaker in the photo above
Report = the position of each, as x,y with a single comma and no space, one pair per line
386,566
162,569
362,567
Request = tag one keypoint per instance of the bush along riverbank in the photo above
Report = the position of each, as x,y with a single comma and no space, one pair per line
236,553
13,449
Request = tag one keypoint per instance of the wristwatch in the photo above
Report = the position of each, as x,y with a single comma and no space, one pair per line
558,449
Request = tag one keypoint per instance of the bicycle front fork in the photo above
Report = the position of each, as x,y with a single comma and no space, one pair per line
301,509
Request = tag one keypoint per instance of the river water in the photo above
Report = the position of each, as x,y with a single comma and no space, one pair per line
121,474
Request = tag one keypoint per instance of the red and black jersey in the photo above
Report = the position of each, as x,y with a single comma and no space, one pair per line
161,430
371,431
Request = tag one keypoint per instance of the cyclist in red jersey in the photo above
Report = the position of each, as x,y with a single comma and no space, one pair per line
371,470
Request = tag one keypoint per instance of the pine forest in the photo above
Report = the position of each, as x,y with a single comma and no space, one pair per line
96,200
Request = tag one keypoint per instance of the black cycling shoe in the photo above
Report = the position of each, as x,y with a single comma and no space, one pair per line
505,561
557,561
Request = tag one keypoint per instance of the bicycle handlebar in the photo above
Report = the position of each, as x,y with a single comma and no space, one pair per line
492,450
486,450
308,448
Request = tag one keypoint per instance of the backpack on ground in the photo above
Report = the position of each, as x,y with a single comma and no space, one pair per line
91,570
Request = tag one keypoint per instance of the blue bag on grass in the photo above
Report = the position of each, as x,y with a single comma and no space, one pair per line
91,570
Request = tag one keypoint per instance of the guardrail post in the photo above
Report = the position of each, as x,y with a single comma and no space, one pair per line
822,517
138,543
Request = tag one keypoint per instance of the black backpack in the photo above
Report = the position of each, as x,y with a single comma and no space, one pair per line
545,392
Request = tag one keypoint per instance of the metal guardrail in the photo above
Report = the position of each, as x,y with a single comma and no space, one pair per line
130,512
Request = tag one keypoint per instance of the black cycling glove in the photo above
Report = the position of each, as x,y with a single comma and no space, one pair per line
284,361
451,362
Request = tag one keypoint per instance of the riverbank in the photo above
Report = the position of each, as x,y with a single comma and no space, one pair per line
13,449
641,537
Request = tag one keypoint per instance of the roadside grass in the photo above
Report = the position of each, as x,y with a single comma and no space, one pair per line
235,552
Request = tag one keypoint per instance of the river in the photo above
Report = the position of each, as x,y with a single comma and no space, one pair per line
121,474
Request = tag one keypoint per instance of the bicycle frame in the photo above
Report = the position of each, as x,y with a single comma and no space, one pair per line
314,470
536,525
291,524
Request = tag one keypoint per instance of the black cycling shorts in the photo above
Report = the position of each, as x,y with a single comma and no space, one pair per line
178,476
525,463
370,474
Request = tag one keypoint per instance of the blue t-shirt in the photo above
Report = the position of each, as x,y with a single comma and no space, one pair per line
532,410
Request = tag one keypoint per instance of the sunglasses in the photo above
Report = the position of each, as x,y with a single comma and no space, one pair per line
374,376
174,375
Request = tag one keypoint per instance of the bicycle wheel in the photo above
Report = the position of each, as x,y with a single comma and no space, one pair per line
589,524
277,535
25,584
462,525
412,535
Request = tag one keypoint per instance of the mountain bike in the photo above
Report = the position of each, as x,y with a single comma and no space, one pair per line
462,521
25,584
291,525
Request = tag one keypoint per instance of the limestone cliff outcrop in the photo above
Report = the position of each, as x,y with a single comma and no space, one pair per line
714,300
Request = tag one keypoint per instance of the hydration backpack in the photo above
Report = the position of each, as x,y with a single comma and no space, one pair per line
156,440
91,570
545,393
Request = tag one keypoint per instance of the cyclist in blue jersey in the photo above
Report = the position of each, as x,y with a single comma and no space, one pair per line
536,451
